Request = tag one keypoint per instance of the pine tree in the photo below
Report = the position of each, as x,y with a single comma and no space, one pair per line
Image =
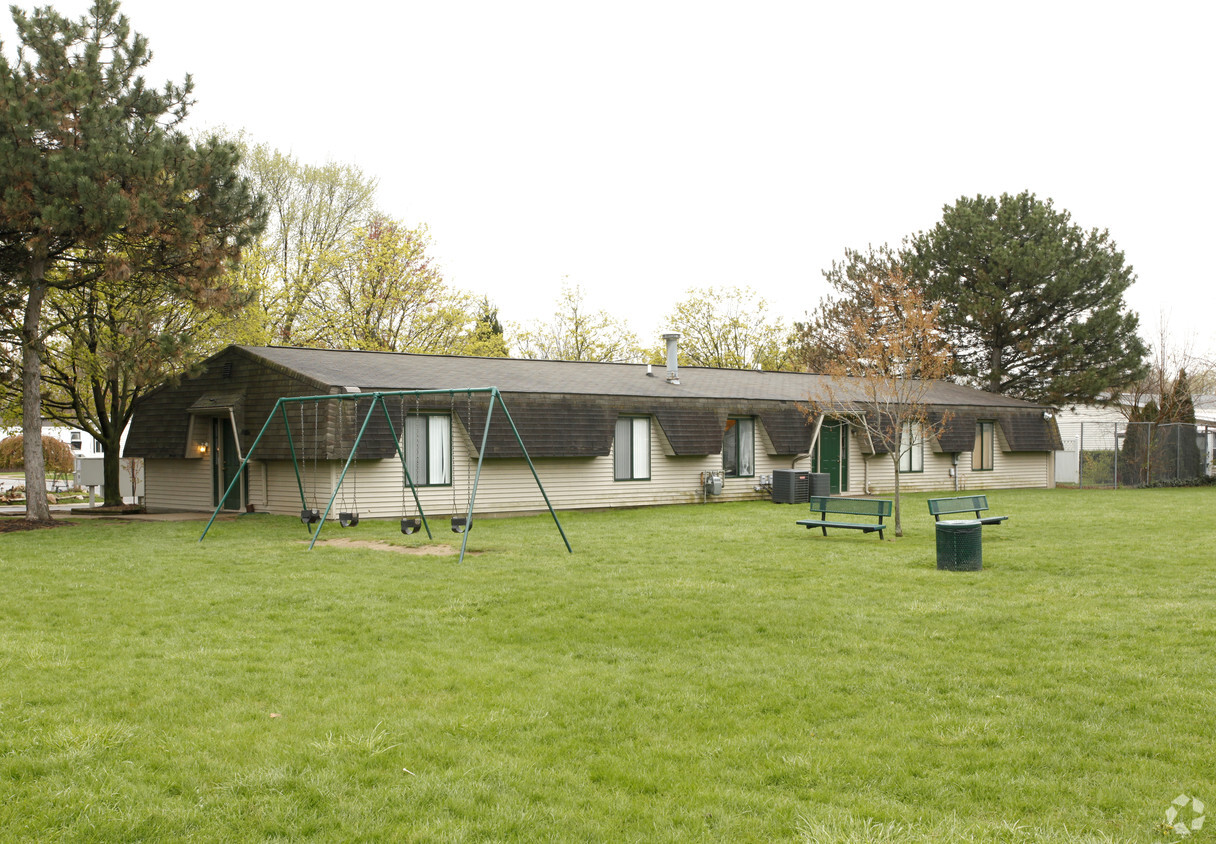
99,184
1180,404
1180,446
1033,305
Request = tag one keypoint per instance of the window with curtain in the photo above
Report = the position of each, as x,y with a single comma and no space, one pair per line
739,448
912,445
631,449
983,456
428,449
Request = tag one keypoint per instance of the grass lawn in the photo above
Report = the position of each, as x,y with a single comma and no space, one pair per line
689,673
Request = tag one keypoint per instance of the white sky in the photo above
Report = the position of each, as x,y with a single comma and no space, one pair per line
643,148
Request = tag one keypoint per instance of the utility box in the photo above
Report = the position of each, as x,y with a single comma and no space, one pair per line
90,471
821,484
713,485
791,486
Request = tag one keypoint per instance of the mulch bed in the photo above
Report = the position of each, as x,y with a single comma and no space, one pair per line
10,525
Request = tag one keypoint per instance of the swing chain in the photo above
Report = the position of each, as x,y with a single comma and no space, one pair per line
462,522
349,518
310,515
409,524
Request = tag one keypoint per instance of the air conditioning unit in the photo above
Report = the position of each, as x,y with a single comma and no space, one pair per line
791,486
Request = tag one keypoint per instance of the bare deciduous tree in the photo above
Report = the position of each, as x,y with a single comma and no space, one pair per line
890,351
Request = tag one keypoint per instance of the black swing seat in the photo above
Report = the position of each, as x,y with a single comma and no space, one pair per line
409,526
460,524
348,519
310,517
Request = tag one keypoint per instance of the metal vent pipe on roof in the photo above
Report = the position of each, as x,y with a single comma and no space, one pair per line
673,357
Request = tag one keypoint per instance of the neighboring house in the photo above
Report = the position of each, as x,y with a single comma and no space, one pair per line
599,434
88,453
1095,428
81,443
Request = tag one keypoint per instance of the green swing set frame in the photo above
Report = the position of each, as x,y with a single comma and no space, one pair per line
378,400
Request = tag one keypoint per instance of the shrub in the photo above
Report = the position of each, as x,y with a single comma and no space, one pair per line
57,454
1181,482
1098,468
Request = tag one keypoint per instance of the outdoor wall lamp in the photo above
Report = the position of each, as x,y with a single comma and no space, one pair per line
202,448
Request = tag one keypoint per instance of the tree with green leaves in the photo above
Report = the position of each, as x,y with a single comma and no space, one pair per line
315,216
98,183
819,343
486,338
729,328
109,343
577,333
1032,303
386,293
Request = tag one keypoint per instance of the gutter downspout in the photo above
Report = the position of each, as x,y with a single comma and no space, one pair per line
811,449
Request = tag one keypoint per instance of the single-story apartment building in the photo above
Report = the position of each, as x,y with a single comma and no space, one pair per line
599,434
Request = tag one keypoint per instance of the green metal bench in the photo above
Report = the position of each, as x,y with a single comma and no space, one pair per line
878,508
963,504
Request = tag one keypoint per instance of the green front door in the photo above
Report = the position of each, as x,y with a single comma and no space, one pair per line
832,455
225,461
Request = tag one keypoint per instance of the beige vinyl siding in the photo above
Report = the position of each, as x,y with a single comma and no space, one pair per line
1010,470
743,489
273,486
178,484
878,474
1013,470
373,487
1025,469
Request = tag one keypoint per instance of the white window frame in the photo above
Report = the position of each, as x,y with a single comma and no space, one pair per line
427,443
631,449
985,447
744,428
912,448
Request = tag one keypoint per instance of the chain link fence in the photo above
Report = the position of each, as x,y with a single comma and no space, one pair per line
1135,454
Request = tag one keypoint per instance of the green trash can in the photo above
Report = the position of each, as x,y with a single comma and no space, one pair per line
960,545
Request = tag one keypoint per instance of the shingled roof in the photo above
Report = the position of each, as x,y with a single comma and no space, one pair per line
372,371
562,408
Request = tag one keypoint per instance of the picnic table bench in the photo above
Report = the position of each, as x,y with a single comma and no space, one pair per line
963,504
874,507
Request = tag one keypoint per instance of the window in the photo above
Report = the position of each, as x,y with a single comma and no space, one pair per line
912,443
984,452
428,449
97,447
739,448
631,449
